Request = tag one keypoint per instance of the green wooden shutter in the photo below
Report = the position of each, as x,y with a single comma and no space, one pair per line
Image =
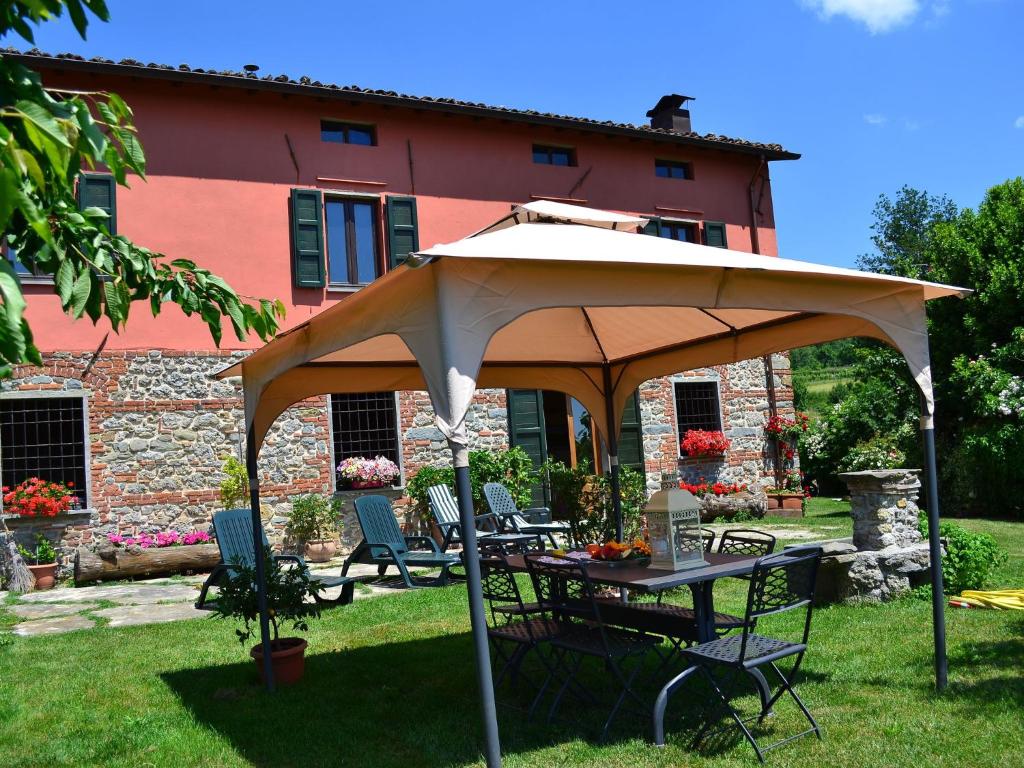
653,227
99,190
308,237
403,231
631,436
526,429
714,234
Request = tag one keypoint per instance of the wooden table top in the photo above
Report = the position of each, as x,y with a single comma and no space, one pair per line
649,579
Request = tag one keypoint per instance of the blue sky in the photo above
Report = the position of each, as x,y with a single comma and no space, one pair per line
873,93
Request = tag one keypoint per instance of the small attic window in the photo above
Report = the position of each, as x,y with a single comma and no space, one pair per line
673,169
337,132
548,155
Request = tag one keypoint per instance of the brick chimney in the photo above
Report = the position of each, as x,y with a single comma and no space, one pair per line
669,114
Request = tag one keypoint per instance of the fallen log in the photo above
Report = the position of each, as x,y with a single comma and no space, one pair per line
108,562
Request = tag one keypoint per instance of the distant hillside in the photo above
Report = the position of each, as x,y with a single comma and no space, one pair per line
819,370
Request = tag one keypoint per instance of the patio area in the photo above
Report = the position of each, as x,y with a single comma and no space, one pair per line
382,688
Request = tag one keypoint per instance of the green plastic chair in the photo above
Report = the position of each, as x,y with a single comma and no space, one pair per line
234,539
446,514
385,545
534,521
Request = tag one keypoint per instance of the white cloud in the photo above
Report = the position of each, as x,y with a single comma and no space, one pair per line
1019,122
910,124
877,15
875,119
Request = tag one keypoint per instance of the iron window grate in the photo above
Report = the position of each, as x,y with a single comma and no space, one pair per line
44,437
365,424
697,406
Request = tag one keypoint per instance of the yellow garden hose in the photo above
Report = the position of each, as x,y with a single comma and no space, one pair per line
1000,600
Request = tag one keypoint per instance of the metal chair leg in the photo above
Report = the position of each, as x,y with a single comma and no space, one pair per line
661,703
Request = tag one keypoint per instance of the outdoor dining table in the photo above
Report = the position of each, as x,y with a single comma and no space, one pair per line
700,580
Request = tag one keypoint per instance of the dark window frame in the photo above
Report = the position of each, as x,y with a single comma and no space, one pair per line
66,453
548,152
372,438
692,398
677,170
673,227
33,277
346,128
351,244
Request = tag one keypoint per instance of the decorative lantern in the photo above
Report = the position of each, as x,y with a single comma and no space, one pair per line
673,524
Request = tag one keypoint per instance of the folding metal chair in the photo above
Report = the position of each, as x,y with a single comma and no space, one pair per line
516,627
780,582
746,541
566,593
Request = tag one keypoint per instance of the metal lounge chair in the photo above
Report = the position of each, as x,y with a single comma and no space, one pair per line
385,545
234,539
446,514
535,520
779,583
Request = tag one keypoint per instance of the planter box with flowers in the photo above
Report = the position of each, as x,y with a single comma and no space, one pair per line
161,554
786,498
725,500
704,444
359,473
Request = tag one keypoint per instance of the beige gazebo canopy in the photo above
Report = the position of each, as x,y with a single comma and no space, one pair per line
552,294
573,299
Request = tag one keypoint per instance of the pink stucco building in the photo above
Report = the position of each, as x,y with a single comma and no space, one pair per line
303,191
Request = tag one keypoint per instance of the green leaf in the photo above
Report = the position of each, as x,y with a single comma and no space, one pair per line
42,119
28,166
115,308
8,193
80,292
64,281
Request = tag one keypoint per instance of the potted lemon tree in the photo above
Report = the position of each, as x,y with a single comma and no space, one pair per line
289,602
314,521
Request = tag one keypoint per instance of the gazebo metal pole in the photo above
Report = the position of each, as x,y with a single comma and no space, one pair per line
935,549
613,449
477,617
257,539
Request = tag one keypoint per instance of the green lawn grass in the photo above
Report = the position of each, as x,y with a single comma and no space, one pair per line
390,682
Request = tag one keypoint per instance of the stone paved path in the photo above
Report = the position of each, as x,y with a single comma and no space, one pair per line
154,601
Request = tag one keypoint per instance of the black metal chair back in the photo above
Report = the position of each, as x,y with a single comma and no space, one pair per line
708,537
781,582
499,586
743,541
562,586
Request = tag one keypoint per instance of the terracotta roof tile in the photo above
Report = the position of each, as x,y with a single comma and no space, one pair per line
456,106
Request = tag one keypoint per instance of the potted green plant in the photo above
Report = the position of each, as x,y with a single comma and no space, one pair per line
314,521
289,600
42,561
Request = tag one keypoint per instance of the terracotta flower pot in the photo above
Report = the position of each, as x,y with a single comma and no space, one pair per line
321,550
287,660
46,576
360,485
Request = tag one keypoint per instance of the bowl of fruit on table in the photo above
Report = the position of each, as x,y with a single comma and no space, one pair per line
619,554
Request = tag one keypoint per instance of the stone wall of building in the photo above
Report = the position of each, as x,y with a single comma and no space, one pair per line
743,396
160,428
422,442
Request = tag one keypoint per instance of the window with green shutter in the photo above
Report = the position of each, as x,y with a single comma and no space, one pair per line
653,227
307,210
403,230
99,190
631,436
714,234
527,430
